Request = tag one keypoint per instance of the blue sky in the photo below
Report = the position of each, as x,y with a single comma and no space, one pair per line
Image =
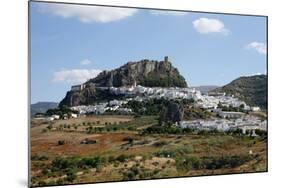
71,43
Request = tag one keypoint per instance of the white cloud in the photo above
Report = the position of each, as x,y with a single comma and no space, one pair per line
258,46
168,13
75,76
255,74
207,25
88,14
86,62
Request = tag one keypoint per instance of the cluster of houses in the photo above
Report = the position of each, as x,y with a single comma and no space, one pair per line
113,105
206,101
245,123
140,93
212,102
56,117
156,92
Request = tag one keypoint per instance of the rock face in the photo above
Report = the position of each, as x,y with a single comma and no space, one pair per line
89,95
251,89
145,72
172,113
74,98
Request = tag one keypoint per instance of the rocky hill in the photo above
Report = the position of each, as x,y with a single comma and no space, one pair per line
147,73
251,89
89,95
172,113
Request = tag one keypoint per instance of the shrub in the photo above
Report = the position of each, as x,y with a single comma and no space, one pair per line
122,158
166,153
71,176
59,181
40,158
61,142
129,139
61,163
111,159
46,172
131,128
129,175
91,162
160,143
132,173
261,133
42,183
49,127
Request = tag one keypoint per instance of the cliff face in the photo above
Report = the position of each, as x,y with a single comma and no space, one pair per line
74,98
89,95
145,72
172,113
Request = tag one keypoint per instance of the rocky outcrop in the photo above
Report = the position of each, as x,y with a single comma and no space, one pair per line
173,113
144,72
85,96
89,95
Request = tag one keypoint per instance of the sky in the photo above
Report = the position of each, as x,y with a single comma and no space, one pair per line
73,43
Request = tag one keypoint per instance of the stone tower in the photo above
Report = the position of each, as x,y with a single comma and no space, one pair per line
166,59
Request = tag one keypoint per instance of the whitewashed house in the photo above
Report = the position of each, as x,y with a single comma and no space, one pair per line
255,108
73,115
56,116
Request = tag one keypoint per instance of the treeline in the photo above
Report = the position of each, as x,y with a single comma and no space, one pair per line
171,129
158,129
232,109
194,113
147,107
213,162
60,111
153,106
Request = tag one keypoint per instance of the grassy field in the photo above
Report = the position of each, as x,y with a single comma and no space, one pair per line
121,152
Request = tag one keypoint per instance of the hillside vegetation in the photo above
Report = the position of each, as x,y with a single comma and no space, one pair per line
251,89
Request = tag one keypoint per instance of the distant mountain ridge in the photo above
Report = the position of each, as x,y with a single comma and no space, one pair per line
251,89
149,73
42,107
